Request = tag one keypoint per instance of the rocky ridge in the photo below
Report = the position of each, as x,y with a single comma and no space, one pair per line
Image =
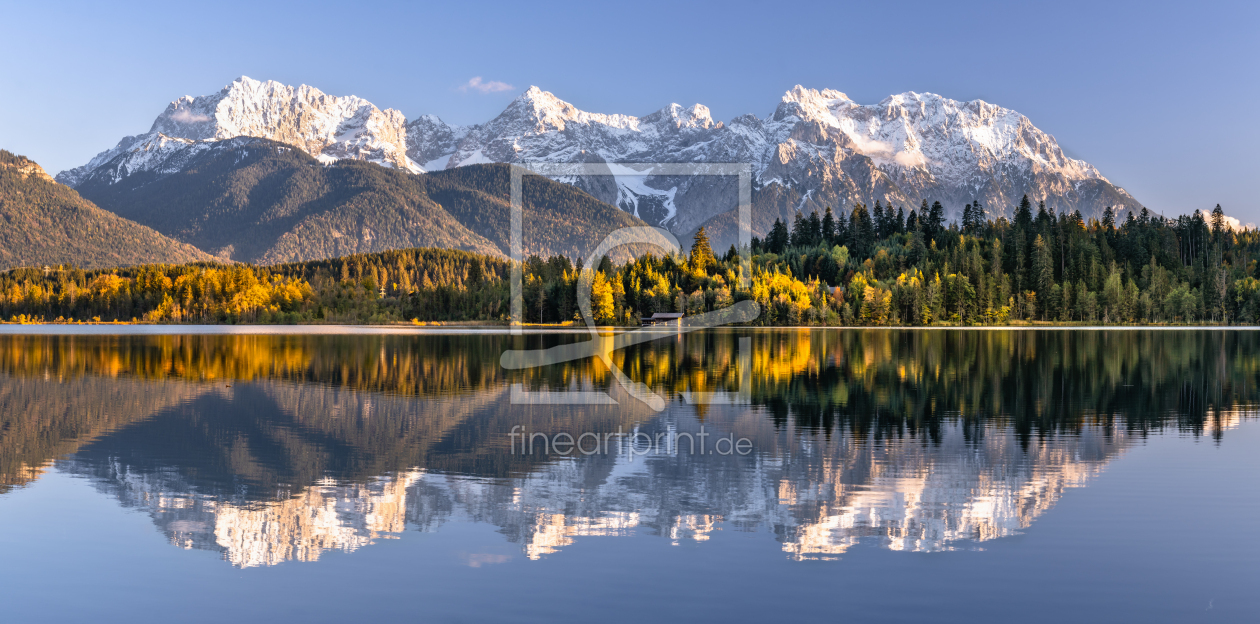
816,149
330,128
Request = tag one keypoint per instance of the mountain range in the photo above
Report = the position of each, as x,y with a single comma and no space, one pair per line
816,149
268,173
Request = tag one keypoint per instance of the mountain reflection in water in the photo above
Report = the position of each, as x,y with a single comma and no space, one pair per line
277,448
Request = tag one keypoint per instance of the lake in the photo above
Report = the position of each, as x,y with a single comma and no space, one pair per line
1059,475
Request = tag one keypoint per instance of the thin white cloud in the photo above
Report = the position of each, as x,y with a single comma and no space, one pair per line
1236,225
482,86
884,152
910,159
184,115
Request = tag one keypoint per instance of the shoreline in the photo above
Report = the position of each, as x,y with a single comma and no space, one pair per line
153,329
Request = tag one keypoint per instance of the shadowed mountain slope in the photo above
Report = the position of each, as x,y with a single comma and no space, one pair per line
257,200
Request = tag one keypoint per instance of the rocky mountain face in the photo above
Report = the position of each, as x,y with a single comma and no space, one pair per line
24,169
817,149
327,127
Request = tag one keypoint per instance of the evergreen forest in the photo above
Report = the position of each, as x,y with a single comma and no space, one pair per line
872,267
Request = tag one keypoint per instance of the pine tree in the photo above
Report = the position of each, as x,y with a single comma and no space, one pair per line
800,231
842,230
861,232
936,219
778,238
701,253
1218,222
815,229
899,222
606,264
1023,215
1044,220
977,217
880,220
829,228
1043,270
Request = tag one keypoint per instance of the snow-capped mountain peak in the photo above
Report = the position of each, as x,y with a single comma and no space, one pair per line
814,100
926,146
328,127
548,112
678,117
818,148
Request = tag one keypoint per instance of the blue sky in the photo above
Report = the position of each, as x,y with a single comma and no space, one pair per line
1161,97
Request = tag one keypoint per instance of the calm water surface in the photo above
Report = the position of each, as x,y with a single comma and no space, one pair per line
948,476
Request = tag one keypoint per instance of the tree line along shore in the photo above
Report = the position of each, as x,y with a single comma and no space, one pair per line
872,267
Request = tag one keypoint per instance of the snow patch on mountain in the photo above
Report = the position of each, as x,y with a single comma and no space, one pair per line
633,193
161,155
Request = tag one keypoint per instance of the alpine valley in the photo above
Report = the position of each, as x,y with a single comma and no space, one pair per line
265,172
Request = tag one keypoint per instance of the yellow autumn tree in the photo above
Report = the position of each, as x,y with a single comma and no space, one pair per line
876,304
603,306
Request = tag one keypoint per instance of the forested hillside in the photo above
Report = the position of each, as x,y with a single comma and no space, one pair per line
254,200
558,219
264,202
45,223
